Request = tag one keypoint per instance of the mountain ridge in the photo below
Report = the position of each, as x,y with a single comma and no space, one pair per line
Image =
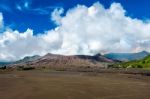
56,60
127,56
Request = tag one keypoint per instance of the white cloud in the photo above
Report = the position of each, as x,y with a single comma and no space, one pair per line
1,20
56,15
19,7
23,5
15,45
96,29
83,30
26,5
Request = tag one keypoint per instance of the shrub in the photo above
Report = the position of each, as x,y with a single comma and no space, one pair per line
4,67
25,68
139,66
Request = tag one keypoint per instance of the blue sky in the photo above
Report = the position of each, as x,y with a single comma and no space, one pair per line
35,14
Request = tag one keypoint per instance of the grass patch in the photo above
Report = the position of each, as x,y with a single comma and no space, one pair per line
143,64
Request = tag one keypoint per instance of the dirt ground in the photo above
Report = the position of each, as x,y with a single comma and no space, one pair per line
40,84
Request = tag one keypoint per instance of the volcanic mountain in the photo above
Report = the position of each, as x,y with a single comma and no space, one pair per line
55,60
127,56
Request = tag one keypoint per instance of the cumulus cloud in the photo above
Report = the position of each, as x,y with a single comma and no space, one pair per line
89,30
83,30
56,15
15,45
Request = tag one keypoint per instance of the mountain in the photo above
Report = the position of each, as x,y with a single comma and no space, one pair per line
5,63
142,63
28,59
55,60
127,56
24,60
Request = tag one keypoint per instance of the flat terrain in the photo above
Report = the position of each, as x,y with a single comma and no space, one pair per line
45,84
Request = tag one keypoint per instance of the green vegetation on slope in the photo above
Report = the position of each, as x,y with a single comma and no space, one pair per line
143,63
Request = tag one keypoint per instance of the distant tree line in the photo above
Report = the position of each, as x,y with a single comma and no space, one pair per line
3,67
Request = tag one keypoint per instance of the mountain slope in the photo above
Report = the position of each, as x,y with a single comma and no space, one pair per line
54,60
27,59
127,56
24,60
143,63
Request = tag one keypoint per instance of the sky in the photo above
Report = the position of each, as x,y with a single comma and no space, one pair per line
23,14
70,27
